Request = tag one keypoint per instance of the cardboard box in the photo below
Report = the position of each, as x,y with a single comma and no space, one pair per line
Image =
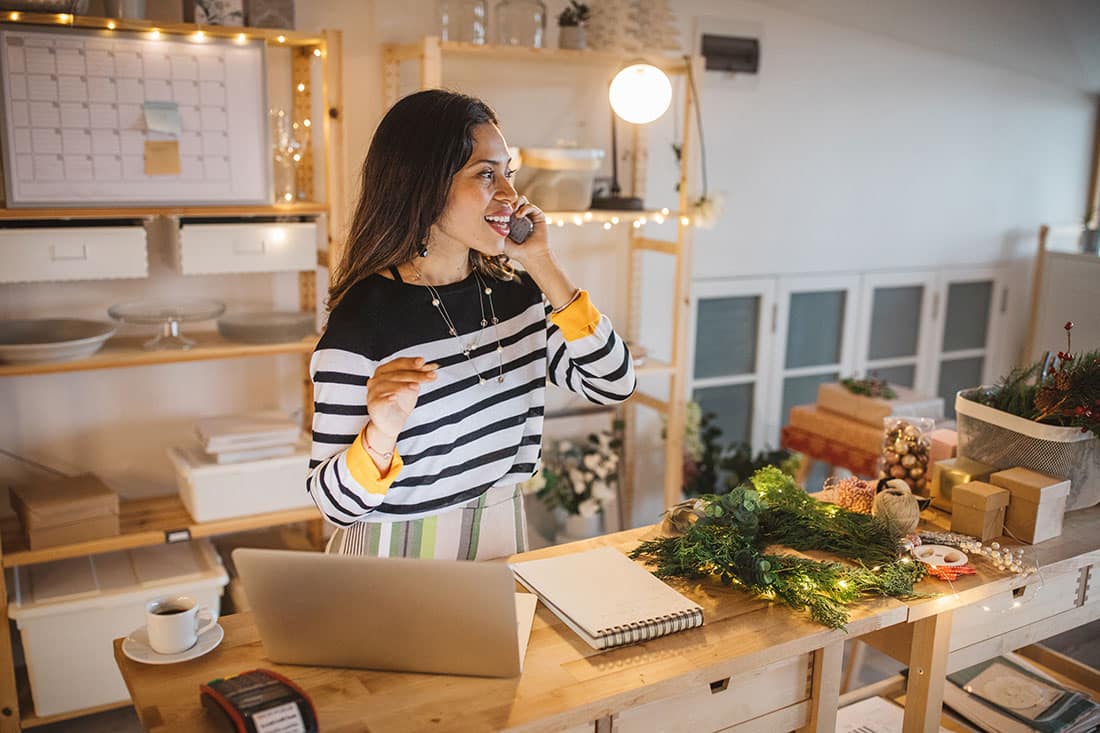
1037,506
837,427
834,397
945,444
66,510
978,509
946,475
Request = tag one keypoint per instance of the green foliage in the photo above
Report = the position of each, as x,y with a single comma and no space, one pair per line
710,467
728,542
1063,391
869,387
576,13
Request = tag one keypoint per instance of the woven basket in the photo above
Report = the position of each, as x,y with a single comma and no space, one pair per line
1004,441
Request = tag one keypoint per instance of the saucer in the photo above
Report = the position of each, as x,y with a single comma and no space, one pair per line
136,647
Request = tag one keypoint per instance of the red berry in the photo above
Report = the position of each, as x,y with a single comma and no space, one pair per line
1068,357
1079,410
1068,326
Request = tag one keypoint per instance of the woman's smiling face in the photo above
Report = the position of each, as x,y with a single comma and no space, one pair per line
481,198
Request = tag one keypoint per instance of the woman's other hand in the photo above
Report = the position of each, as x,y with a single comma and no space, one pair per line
391,396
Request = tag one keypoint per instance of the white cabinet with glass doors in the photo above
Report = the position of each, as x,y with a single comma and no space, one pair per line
762,345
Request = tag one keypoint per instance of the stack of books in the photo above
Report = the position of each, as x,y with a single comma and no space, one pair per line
250,437
1009,695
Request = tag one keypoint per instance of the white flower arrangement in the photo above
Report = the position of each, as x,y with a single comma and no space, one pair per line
581,478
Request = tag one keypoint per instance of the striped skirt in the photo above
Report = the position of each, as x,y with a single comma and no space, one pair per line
491,526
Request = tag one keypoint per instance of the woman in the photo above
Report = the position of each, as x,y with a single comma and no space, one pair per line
429,381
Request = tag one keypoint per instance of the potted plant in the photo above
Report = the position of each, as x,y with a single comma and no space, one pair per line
1044,416
711,468
571,24
578,480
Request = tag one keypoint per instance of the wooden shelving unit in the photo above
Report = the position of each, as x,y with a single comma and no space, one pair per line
128,352
315,74
432,53
37,214
143,523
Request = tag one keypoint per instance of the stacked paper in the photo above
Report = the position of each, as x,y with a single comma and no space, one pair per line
248,437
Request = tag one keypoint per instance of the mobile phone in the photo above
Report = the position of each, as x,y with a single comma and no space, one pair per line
519,228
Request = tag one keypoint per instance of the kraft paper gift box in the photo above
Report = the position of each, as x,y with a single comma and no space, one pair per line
978,510
1037,506
835,397
836,427
946,475
66,510
945,444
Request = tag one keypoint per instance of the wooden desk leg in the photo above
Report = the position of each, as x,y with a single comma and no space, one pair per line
315,533
927,673
825,690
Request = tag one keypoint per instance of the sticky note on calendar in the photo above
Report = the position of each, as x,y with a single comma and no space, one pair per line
163,117
162,158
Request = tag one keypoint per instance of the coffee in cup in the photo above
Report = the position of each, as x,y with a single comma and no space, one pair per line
174,624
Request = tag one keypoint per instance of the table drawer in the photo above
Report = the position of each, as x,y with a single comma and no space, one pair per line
210,249
72,253
726,702
1043,596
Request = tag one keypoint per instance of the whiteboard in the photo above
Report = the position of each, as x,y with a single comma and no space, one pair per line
75,127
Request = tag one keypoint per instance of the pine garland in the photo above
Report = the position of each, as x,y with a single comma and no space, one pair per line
728,542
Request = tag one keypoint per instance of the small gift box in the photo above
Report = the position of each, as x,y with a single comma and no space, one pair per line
946,475
66,510
978,510
1037,505
945,444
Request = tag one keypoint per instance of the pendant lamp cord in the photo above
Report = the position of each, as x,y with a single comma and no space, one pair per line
698,122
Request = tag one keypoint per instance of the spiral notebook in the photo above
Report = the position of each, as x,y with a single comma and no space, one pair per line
606,598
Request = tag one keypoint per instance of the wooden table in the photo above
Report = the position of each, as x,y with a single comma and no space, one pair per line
981,616
753,666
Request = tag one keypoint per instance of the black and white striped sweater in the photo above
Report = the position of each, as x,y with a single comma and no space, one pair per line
464,436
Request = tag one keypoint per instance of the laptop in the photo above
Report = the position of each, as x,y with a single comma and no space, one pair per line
406,615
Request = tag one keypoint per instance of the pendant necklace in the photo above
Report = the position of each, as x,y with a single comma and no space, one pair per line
467,349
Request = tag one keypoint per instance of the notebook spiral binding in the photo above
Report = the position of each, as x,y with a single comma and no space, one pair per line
650,628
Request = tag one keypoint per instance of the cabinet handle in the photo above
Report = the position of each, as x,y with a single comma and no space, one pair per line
250,247
719,685
60,252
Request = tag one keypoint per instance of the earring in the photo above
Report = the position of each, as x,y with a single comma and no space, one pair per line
423,251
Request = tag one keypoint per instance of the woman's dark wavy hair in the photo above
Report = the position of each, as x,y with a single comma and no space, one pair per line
421,143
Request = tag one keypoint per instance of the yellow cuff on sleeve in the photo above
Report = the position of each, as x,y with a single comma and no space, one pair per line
366,473
579,319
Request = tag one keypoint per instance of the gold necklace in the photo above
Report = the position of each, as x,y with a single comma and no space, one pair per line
467,349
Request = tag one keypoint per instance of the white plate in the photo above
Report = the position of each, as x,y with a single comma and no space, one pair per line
940,555
136,647
25,341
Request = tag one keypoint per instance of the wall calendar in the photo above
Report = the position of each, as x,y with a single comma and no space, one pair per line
109,118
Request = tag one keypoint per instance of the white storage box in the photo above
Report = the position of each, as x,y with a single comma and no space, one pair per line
211,490
210,249
69,612
559,179
72,253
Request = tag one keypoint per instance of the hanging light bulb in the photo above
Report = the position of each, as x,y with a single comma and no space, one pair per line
640,93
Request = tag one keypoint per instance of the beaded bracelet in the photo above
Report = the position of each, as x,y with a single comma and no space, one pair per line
386,456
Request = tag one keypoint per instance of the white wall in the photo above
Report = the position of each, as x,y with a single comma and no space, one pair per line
877,135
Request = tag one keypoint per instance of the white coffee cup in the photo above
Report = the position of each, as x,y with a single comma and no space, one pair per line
172,623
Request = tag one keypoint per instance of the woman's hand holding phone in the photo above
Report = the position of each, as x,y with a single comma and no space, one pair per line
535,244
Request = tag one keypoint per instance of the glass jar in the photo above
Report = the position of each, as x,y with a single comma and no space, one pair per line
521,23
463,20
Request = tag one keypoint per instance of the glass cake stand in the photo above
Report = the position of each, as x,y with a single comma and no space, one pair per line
168,314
